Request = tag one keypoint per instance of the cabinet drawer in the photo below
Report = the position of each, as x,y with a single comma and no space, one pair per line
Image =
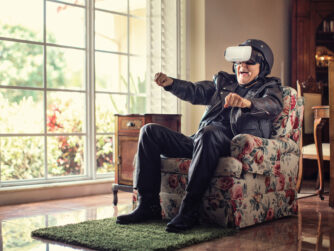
130,124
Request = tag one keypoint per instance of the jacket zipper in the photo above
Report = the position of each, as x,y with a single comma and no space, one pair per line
232,129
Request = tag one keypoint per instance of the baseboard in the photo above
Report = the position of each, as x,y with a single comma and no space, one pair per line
35,193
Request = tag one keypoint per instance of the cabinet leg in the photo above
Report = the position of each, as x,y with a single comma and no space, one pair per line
114,191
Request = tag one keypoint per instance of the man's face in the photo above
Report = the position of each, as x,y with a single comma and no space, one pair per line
246,72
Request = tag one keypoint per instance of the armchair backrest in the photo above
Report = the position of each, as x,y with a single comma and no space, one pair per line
288,123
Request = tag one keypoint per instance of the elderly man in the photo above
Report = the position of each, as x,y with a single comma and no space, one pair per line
244,102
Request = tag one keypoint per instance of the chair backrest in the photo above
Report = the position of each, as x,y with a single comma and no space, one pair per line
312,92
288,123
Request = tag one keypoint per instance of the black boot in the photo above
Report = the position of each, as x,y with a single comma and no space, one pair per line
148,209
186,219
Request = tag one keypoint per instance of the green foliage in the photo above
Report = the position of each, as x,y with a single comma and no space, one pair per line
66,155
22,63
22,116
104,154
22,158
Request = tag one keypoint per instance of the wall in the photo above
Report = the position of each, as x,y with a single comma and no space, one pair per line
229,23
191,114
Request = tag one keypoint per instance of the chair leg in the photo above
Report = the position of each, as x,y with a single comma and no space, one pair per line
115,191
300,175
318,124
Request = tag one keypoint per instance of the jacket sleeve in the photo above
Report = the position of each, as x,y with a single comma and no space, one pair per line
270,103
196,93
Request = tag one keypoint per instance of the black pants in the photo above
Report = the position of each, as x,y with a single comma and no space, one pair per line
204,148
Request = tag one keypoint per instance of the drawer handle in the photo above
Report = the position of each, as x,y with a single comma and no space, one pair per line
130,124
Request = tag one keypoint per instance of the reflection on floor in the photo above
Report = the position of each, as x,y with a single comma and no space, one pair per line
312,229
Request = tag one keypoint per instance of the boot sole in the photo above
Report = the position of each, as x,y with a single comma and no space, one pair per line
172,229
137,221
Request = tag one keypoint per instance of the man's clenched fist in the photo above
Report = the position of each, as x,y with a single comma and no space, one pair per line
162,80
235,100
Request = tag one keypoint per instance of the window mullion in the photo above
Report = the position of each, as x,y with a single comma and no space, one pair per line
178,43
45,93
90,92
128,48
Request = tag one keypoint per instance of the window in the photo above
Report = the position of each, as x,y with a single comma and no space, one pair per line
66,67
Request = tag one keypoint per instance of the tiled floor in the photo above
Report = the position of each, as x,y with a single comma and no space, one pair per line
312,229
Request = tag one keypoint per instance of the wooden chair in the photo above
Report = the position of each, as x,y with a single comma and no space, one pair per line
312,93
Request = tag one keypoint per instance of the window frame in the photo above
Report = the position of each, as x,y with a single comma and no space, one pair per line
89,124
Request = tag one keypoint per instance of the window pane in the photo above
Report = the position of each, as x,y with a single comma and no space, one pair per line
65,26
112,5
110,32
21,111
21,64
65,112
65,68
137,104
22,19
137,7
66,155
111,72
138,36
21,158
77,2
104,154
106,106
138,74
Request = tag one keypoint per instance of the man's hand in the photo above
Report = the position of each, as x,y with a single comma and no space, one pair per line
162,80
235,100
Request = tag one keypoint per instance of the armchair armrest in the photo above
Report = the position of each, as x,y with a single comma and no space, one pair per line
261,156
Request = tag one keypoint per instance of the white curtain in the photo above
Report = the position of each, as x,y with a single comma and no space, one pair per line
166,52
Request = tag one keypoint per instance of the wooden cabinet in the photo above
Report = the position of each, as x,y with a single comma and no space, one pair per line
308,33
126,139
311,33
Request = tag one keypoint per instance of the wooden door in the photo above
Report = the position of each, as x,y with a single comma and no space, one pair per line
331,132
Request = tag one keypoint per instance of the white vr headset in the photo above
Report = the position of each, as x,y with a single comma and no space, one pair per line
238,53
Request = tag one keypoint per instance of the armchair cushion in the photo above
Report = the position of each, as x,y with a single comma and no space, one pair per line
259,155
228,166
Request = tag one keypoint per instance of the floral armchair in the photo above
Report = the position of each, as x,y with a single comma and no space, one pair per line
256,184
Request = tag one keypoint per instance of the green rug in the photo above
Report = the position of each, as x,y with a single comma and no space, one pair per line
107,235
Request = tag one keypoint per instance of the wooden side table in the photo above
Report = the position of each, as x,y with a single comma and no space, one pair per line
126,139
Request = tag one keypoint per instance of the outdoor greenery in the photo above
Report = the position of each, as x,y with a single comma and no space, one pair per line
22,157
22,63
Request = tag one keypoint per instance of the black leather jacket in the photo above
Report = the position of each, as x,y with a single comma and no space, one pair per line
265,95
